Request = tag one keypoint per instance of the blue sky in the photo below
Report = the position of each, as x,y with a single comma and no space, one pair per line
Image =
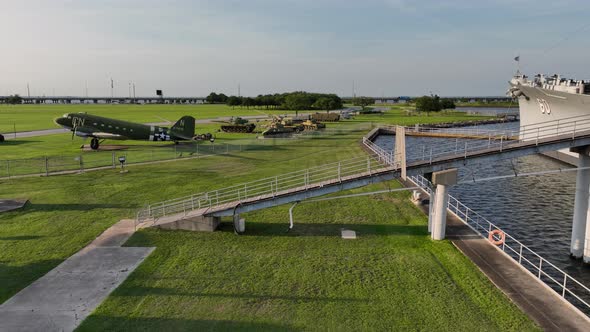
387,47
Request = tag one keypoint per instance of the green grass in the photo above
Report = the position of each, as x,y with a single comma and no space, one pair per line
36,117
67,212
391,278
64,145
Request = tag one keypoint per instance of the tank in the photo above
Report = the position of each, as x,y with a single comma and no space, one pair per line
312,125
238,125
326,117
282,128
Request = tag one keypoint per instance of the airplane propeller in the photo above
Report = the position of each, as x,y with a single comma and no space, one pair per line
74,131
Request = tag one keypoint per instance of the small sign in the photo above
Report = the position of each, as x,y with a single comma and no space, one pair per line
159,93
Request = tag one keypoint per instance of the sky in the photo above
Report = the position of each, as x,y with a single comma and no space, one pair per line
382,47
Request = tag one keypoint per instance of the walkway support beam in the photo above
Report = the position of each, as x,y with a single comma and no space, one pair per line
442,180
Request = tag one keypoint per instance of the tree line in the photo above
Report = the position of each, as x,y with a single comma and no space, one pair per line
433,104
299,100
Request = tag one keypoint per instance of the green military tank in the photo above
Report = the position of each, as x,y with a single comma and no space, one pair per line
326,117
238,125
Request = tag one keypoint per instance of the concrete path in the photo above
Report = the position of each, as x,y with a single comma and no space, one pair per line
532,296
60,300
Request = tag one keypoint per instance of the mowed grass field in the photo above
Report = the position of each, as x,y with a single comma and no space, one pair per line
67,212
65,145
37,117
391,278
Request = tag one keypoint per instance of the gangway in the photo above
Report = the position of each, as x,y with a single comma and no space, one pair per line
380,166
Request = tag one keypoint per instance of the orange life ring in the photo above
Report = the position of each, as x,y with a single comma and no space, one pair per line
497,232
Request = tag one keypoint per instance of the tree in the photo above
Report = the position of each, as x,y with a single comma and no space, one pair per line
234,101
428,104
362,101
212,98
248,102
447,104
327,104
14,99
298,101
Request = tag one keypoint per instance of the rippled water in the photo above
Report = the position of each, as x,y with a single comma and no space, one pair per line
537,210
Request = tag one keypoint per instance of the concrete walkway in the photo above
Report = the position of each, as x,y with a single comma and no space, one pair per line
65,296
532,296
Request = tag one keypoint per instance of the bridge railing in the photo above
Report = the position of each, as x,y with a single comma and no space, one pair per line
477,131
263,188
570,128
562,283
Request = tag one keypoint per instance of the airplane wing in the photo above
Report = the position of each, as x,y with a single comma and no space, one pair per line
91,132
102,135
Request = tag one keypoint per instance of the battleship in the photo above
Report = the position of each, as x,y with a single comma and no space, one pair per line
548,98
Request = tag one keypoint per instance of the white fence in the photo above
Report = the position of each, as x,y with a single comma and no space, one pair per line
562,283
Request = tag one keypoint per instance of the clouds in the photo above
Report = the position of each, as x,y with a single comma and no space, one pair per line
193,47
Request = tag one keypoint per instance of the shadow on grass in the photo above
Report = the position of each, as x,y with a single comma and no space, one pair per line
146,291
20,237
108,323
31,207
14,278
11,142
324,229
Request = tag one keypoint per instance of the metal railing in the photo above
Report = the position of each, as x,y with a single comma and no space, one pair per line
465,131
263,188
532,134
52,165
387,157
562,283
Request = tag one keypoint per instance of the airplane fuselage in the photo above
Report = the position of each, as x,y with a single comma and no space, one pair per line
86,125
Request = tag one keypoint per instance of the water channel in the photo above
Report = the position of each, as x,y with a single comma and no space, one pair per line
537,210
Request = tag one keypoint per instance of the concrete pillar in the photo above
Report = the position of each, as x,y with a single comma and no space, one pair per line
431,212
579,223
442,180
439,220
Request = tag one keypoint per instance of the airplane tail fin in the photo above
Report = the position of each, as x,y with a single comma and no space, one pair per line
184,128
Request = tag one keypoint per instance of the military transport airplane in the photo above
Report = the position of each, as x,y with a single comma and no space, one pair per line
101,128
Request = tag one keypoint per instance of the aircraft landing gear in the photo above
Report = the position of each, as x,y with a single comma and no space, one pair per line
94,144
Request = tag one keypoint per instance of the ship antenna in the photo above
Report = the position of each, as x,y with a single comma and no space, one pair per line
517,59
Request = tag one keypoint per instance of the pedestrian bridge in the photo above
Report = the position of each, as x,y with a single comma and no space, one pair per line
380,165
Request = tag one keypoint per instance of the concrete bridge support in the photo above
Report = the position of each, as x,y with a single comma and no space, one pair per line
579,224
442,180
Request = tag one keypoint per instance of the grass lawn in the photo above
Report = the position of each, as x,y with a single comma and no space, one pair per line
64,145
393,277
36,117
67,212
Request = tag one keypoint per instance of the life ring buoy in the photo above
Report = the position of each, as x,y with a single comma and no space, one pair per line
499,233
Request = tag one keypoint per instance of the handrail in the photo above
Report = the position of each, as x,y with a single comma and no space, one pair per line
538,133
519,252
264,188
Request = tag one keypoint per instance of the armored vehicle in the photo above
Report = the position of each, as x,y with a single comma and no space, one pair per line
326,117
238,125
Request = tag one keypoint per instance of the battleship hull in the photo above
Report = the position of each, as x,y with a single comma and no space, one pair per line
545,105
539,105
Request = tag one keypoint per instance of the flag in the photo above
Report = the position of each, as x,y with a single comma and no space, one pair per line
517,58
112,86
